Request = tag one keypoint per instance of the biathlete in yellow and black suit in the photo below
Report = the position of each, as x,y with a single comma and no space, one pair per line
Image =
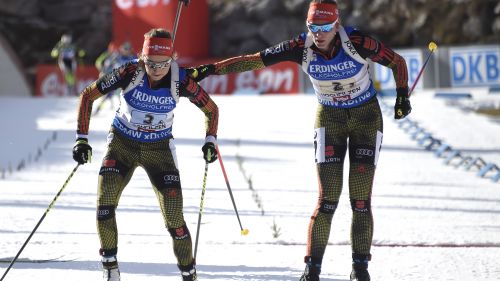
348,119
141,135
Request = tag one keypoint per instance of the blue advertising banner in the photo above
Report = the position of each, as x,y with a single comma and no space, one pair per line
475,66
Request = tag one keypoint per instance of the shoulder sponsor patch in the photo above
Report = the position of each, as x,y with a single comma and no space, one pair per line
284,46
109,81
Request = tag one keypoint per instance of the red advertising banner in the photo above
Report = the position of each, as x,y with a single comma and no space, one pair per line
133,18
50,82
281,78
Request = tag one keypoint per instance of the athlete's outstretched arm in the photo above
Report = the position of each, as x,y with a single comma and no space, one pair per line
239,64
231,65
290,50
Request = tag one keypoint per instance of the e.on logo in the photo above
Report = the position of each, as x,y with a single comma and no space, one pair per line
266,81
127,4
278,80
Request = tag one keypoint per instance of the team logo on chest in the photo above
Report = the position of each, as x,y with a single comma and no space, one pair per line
338,67
158,102
145,97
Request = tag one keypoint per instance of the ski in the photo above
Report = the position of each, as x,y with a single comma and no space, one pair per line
28,260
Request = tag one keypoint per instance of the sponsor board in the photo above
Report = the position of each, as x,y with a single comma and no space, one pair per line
281,78
133,18
474,66
50,81
129,4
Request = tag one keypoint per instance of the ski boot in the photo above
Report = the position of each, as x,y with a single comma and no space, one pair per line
360,267
110,271
188,272
312,270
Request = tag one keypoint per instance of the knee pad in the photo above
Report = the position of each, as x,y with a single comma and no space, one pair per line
169,179
361,206
105,212
327,207
110,165
180,233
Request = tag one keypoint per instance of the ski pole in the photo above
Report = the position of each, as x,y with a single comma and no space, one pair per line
243,231
432,46
40,221
177,17
201,209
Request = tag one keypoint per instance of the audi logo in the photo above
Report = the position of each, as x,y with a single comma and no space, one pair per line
364,152
168,178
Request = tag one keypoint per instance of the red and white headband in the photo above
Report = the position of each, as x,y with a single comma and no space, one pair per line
322,12
154,46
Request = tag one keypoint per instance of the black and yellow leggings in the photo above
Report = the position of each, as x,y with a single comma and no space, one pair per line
359,131
158,159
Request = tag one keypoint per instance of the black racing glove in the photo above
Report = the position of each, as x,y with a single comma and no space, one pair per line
201,72
402,107
209,152
82,151
186,2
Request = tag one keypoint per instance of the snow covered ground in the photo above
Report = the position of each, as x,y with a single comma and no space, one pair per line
432,221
